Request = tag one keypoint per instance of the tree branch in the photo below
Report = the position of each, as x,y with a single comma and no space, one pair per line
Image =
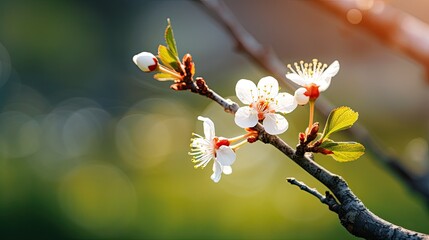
328,199
353,214
272,64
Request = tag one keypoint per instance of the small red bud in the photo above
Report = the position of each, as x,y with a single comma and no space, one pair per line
252,139
202,86
188,64
187,59
324,151
314,128
302,138
179,86
313,131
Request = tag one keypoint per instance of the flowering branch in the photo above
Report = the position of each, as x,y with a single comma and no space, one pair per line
272,64
353,214
262,121
203,89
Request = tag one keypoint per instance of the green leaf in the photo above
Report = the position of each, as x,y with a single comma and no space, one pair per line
342,151
169,39
339,119
169,59
165,77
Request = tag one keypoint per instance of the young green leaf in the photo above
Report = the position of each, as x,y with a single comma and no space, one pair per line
342,151
165,77
339,119
169,59
169,39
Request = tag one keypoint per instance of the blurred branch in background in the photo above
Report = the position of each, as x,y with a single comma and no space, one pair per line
267,59
392,26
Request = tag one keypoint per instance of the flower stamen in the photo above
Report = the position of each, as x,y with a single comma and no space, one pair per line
204,149
314,77
263,107
308,70
238,145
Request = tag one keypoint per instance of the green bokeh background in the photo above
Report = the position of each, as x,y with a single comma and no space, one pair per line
92,148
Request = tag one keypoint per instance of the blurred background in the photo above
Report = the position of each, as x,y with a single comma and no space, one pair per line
93,148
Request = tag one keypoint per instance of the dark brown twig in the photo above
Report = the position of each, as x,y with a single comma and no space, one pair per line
328,199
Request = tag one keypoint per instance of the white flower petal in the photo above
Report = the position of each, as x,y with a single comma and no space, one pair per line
275,124
226,170
246,91
268,87
323,85
217,172
300,98
209,128
225,156
325,79
284,103
246,117
332,70
296,79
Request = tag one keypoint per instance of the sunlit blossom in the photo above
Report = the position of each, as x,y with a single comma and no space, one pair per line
314,78
263,102
204,149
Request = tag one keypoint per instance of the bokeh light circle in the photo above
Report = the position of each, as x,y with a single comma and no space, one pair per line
354,16
99,197
20,135
151,131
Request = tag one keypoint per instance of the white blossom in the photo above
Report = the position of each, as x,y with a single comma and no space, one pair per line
263,102
314,78
204,149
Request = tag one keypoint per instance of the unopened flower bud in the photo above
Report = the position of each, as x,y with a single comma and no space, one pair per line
302,138
314,129
179,86
187,59
313,132
146,61
300,96
188,64
252,139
